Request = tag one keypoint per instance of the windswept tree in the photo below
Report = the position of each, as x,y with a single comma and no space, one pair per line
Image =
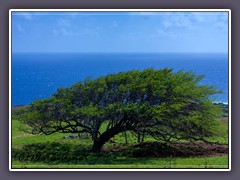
161,103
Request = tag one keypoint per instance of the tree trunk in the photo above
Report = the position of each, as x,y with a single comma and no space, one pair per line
97,145
107,135
139,138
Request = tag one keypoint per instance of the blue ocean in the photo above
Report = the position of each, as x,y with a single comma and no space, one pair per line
38,75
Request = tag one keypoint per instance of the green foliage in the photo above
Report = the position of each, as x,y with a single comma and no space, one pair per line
158,103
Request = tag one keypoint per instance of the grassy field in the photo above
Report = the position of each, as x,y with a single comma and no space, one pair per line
200,162
54,151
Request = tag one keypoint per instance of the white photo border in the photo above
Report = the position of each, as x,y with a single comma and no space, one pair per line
119,10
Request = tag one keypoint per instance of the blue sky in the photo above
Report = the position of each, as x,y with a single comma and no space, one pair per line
146,32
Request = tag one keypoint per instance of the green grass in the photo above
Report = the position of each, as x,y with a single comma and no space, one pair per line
198,162
55,145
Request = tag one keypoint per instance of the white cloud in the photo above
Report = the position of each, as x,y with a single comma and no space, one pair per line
62,28
66,32
27,15
20,28
178,21
197,17
63,32
193,20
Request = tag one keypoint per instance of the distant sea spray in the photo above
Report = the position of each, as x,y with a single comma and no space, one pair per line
38,75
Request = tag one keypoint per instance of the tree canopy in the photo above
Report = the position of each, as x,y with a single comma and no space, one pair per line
160,103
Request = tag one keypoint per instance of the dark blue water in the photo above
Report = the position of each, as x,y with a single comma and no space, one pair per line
37,76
